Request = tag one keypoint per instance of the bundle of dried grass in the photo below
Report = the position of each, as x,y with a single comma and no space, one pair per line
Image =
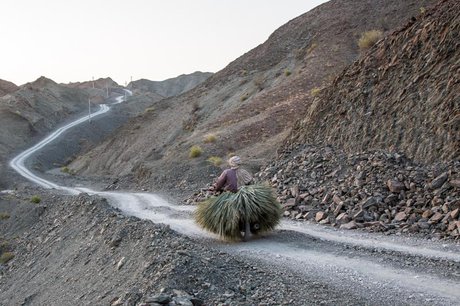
224,214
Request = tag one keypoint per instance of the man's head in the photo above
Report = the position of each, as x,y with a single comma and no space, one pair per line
234,161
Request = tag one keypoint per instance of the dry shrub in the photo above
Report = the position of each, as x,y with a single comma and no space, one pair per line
369,38
315,91
195,151
210,138
215,160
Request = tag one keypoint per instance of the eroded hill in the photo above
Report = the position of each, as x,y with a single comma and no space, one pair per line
249,106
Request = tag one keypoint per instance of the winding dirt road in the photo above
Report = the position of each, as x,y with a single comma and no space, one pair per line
384,270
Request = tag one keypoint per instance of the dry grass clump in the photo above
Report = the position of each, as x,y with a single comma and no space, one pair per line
4,216
225,214
315,91
215,160
369,38
35,199
7,256
210,138
195,151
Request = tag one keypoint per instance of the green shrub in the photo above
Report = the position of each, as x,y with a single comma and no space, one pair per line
7,256
215,160
287,72
210,138
195,151
65,169
35,199
4,216
369,38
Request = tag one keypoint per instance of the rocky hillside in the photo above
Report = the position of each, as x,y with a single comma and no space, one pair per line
7,87
170,87
102,257
249,106
32,110
403,95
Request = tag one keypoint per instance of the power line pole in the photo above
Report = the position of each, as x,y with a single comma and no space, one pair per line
89,110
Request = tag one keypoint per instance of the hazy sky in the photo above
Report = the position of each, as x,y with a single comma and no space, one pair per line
74,40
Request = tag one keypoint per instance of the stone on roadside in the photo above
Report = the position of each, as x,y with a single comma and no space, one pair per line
320,215
436,217
349,226
160,299
439,181
427,214
342,218
455,213
401,216
395,186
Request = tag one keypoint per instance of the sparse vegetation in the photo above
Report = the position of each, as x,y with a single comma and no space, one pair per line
195,151
369,38
35,199
422,10
312,47
4,216
287,72
7,256
259,82
244,97
65,169
315,91
215,160
210,138
149,110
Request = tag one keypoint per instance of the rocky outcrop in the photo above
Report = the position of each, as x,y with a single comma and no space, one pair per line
7,87
171,87
377,190
403,95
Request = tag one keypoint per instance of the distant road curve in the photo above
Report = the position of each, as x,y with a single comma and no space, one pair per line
18,162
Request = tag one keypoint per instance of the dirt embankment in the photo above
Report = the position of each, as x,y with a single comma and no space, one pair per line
249,106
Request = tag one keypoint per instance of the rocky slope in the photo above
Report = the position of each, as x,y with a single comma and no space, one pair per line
249,106
403,95
170,87
7,87
67,251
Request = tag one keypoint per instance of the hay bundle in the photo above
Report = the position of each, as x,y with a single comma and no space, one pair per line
224,214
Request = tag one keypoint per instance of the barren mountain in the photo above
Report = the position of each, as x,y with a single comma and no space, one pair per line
170,87
7,87
97,89
403,95
249,106
32,110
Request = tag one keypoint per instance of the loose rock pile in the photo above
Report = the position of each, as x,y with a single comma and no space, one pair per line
379,191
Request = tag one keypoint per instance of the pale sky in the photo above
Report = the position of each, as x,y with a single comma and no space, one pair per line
75,40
